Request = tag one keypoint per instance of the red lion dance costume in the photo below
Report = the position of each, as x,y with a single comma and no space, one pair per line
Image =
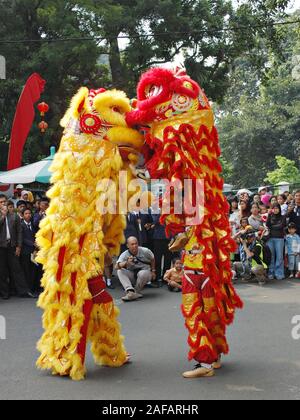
184,144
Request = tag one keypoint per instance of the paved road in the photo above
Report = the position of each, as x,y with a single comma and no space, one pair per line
264,362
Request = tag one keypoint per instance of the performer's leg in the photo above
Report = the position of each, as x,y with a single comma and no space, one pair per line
104,329
201,340
216,328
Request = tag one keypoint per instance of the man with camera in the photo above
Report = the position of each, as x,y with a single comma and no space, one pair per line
252,258
135,268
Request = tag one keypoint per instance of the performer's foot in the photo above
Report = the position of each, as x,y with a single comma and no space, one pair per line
179,242
199,372
128,359
217,364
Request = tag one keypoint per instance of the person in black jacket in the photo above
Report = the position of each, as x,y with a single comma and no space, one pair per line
294,212
132,228
28,248
276,224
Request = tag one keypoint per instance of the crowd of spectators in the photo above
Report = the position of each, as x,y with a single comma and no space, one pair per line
20,216
265,227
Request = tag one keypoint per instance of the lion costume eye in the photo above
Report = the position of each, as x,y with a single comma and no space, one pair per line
118,109
152,90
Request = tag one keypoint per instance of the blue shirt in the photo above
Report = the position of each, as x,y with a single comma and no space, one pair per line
292,244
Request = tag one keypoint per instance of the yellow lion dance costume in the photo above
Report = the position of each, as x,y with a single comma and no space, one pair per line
184,145
75,238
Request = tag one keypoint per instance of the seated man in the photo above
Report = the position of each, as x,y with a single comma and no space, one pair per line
135,268
252,258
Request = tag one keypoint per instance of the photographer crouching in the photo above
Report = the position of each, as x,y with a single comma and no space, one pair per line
252,259
135,268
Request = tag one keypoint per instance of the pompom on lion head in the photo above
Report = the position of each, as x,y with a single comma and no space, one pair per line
165,93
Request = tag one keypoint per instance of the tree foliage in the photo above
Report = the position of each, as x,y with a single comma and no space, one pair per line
208,36
285,172
261,121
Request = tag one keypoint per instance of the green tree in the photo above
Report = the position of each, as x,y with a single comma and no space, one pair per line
259,119
64,65
286,171
210,35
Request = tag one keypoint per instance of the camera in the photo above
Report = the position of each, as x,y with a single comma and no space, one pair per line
243,236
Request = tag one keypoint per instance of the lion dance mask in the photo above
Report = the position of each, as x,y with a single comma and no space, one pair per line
75,238
184,145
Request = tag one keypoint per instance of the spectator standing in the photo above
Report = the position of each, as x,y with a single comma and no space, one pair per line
293,249
21,206
15,198
273,201
245,209
38,217
255,219
281,199
256,199
262,191
290,198
276,224
28,248
234,217
36,206
132,228
163,256
294,212
145,222
11,207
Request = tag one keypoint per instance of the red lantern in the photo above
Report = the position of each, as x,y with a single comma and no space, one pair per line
43,126
43,108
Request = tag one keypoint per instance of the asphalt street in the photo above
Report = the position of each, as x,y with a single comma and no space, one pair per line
264,362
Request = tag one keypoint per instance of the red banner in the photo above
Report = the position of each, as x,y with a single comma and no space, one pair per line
23,119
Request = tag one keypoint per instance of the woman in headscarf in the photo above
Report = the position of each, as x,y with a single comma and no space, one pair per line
276,224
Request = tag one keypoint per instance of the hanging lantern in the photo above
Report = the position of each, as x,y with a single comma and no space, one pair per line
43,108
43,126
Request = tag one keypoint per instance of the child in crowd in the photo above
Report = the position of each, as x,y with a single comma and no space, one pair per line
282,202
174,277
292,249
244,222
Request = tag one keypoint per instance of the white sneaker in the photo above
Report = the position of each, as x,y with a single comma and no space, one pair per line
130,296
138,294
